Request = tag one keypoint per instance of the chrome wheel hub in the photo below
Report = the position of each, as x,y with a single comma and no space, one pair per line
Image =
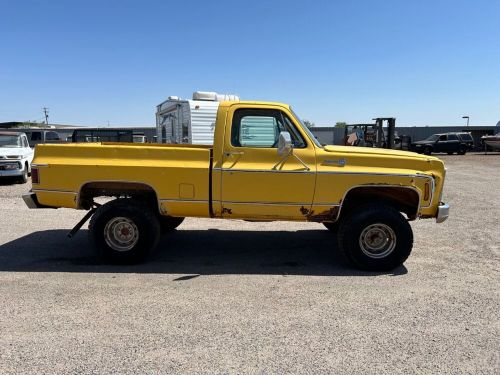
377,240
121,234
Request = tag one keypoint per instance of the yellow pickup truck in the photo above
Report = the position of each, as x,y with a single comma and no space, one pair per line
264,165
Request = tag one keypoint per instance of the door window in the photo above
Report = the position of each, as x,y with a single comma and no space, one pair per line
442,138
261,128
452,137
52,136
36,136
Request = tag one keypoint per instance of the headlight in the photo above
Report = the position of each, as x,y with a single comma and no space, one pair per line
10,166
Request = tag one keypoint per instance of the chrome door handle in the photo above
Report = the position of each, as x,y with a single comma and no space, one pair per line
230,153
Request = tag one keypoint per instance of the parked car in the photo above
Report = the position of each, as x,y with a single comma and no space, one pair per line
42,136
15,156
467,139
447,142
37,136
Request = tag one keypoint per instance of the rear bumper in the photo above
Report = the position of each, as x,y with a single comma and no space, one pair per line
31,200
443,212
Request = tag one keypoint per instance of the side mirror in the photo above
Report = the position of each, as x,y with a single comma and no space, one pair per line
285,146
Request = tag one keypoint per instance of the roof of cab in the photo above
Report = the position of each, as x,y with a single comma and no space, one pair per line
228,103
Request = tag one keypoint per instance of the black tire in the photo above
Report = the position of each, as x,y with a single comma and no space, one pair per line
332,227
450,152
428,150
169,223
140,231
462,151
24,178
372,223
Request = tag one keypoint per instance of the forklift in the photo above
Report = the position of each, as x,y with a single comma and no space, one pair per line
376,135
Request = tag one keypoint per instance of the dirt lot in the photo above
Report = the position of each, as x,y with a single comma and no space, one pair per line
237,297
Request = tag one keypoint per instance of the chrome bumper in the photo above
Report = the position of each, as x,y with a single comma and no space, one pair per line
443,212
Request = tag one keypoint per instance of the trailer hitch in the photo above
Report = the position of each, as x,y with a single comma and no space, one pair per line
87,216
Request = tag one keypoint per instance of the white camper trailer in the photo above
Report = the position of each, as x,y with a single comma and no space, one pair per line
189,121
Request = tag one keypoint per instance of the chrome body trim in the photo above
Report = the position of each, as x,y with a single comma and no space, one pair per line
185,200
443,212
262,170
121,181
278,203
54,191
378,186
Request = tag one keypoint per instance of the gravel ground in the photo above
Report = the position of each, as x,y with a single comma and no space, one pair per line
238,297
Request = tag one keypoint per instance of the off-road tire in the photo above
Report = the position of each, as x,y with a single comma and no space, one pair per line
356,226
169,223
141,219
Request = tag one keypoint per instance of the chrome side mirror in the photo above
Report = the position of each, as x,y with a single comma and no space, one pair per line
285,146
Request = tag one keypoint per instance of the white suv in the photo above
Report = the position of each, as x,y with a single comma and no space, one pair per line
15,156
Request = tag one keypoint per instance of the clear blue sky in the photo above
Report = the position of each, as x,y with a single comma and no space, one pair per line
425,62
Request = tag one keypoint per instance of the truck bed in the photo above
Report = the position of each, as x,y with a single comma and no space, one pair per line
66,170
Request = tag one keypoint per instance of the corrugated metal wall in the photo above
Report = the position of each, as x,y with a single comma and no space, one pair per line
203,115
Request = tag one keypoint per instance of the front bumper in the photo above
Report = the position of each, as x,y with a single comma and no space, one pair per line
11,173
443,212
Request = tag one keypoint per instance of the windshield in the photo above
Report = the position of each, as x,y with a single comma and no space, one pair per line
433,138
10,141
306,129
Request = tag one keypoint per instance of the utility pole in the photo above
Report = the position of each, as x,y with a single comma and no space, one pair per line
46,114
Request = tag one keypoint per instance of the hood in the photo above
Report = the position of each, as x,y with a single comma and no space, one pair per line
368,151
11,151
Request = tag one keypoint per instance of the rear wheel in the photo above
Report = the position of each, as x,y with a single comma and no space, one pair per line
375,237
124,231
462,150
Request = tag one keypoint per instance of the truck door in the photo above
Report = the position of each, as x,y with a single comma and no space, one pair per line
256,182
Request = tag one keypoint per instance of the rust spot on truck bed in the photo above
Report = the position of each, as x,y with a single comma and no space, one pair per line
226,211
304,211
328,215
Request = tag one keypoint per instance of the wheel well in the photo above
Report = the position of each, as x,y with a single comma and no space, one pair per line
403,199
136,190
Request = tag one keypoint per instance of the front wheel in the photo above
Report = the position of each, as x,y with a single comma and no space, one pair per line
462,151
375,238
24,177
124,231
427,150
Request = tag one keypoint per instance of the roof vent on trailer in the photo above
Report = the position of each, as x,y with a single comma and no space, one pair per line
213,96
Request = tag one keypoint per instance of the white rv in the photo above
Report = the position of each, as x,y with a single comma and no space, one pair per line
189,120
